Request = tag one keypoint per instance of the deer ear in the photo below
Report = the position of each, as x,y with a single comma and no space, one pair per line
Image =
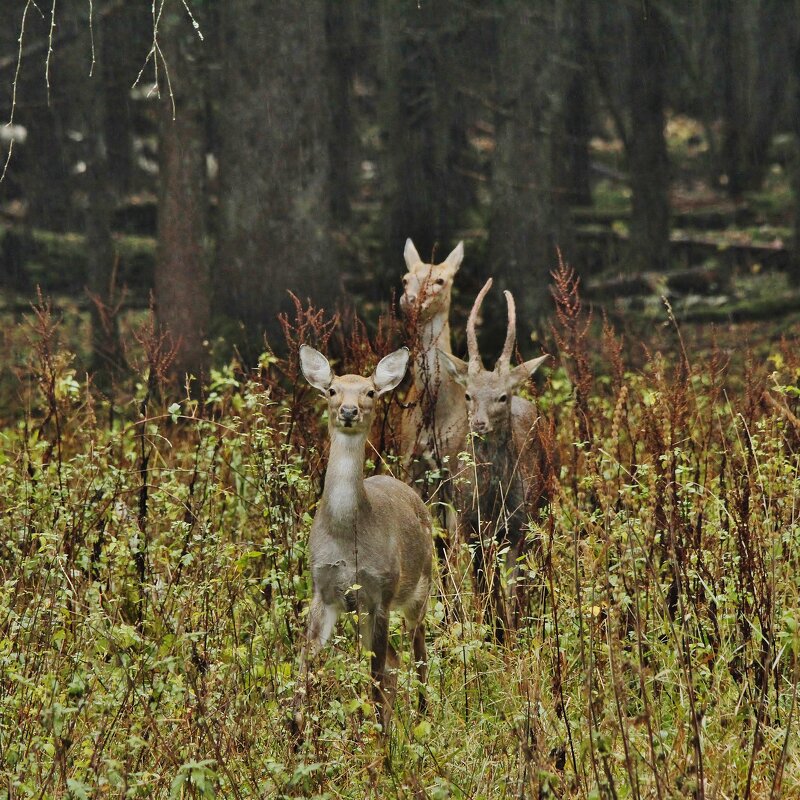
525,371
455,366
453,261
390,370
315,366
411,255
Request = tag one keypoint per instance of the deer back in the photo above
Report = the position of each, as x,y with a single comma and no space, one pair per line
534,443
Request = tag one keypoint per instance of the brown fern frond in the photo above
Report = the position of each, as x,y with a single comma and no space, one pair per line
613,346
309,326
571,334
159,346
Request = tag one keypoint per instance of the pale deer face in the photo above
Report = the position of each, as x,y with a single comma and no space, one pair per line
351,401
488,394
488,397
351,398
426,287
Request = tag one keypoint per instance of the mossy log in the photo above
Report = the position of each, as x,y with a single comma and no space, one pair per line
681,281
600,246
763,308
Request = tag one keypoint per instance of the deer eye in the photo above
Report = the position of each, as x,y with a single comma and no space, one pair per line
467,396
331,391
405,281
439,281
371,393
503,398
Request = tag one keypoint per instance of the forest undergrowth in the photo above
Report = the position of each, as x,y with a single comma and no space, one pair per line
153,586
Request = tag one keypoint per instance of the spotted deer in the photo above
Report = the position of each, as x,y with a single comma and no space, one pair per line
370,546
512,462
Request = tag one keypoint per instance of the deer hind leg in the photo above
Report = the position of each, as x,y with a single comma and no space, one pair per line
321,621
421,660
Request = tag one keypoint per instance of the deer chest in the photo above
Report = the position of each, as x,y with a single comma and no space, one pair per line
346,584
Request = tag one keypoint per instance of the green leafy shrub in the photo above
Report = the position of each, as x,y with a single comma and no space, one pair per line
153,589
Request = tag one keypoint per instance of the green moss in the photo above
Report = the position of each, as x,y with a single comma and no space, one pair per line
57,262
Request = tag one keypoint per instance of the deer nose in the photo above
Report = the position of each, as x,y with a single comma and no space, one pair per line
480,425
348,413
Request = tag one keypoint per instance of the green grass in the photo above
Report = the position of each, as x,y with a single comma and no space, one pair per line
153,587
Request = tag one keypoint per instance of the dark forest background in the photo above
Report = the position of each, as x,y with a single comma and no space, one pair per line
217,155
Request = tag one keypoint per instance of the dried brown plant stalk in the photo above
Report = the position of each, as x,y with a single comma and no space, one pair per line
571,333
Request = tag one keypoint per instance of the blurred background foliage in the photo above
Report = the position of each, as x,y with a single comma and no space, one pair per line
215,156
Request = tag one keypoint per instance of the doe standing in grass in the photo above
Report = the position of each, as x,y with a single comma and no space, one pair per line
370,545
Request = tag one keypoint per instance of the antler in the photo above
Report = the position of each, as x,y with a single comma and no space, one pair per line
504,362
475,364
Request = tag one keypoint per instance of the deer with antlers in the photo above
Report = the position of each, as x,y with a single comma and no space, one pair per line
513,464
370,548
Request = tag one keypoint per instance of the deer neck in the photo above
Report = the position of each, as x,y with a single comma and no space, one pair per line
435,333
498,443
496,447
344,491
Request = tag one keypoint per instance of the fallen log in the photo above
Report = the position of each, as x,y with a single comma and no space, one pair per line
697,280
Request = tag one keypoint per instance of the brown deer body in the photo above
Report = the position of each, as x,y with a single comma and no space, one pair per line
434,428
512,467
370,545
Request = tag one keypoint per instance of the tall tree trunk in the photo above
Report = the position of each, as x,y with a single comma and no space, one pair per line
48,187
794,265
577,189
101,200
38,169
423,123
342,30
182,291
647,146
123,52
274,203
736,19
757,45
528,220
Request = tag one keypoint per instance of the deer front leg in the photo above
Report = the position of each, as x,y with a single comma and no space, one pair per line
489,579
517,581
482,554
499,606
383,682
321,621
446,548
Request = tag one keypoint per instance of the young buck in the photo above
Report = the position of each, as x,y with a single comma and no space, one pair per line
433,430
370,545
513,464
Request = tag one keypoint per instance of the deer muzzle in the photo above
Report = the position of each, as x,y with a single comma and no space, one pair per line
348,414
